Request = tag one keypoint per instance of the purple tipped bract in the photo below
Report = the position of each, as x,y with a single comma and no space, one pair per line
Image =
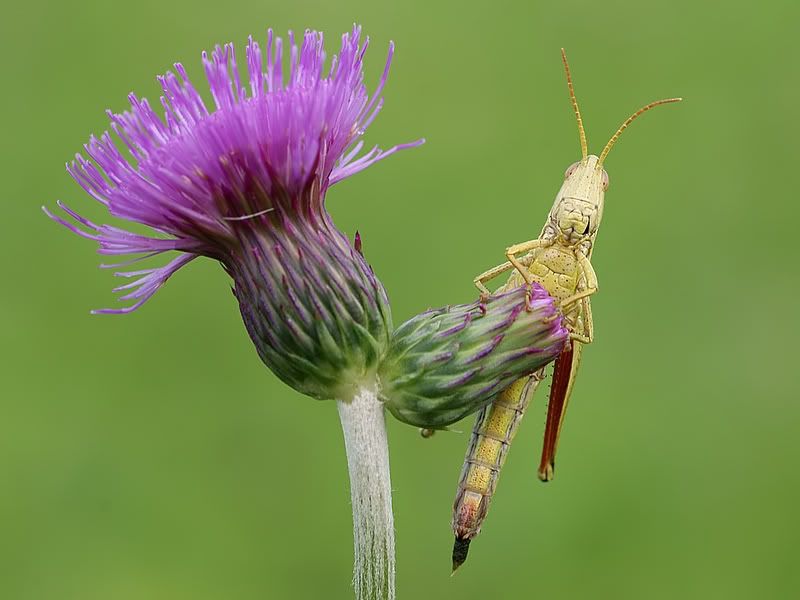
204,180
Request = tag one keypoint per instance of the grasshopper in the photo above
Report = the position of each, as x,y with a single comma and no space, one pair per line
559,260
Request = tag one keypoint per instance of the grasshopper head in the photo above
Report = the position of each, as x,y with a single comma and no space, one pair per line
578,208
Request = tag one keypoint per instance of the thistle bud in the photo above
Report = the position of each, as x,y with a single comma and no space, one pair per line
446,363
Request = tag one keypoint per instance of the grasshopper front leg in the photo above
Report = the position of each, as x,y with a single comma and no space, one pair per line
512,251
487,276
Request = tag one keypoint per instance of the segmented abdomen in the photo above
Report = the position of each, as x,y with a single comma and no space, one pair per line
491,437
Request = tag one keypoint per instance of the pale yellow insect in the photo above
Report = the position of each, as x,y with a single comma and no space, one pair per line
559,260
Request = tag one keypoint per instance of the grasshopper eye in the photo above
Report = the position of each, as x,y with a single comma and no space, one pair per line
605,181
571,169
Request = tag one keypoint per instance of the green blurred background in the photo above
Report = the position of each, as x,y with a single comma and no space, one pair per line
135,451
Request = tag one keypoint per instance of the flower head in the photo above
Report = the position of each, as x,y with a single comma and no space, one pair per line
205,179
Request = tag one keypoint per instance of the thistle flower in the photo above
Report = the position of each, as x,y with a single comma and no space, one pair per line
245,184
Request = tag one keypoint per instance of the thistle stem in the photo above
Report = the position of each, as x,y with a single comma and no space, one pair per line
364,428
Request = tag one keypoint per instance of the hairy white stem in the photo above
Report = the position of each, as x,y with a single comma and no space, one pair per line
365,441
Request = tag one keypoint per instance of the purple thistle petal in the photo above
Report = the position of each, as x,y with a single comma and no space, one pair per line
113,240
146,286
373,156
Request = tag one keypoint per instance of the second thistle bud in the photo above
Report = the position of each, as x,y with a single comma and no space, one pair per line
446,363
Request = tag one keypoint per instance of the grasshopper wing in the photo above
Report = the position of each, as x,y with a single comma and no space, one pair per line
564,372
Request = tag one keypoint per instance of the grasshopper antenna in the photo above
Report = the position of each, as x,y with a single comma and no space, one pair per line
581,132
627,122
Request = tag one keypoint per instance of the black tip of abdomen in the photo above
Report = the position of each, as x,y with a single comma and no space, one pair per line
460,551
